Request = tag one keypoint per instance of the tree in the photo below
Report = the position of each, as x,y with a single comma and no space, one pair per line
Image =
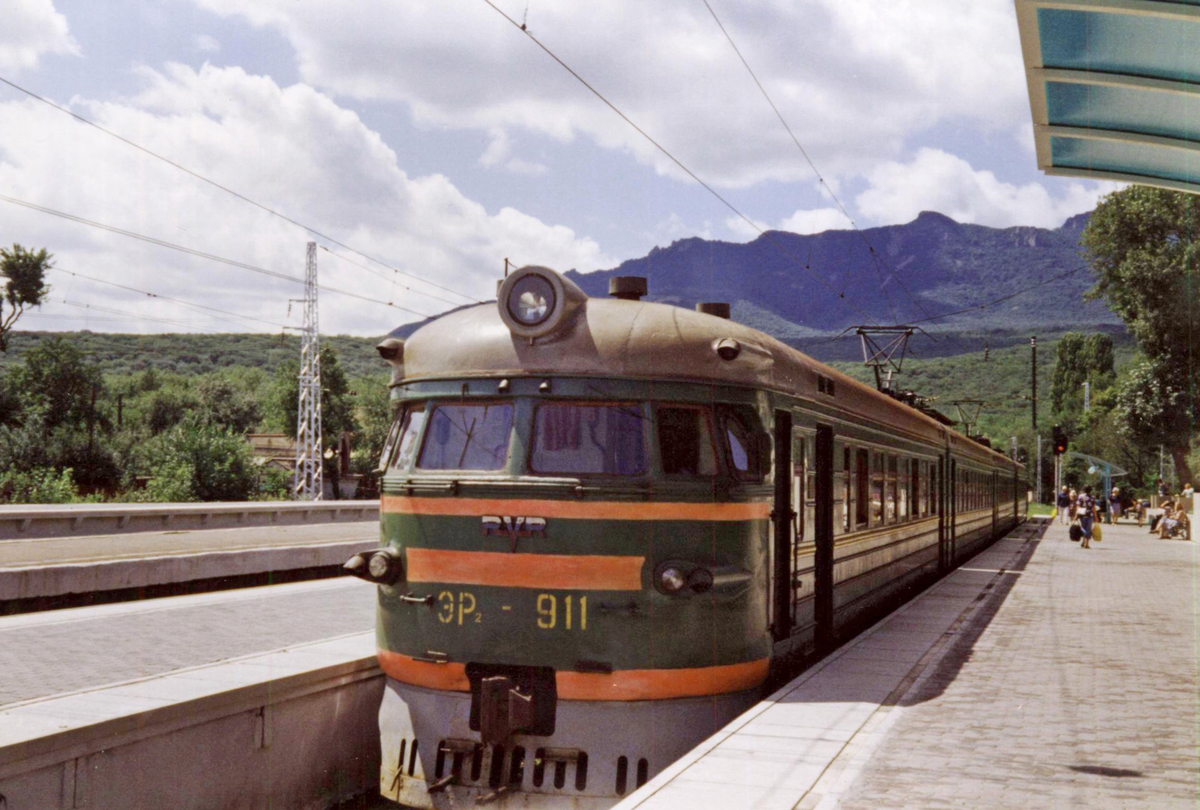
337,408
25,285
1080,358
224,405
1142,245
55,377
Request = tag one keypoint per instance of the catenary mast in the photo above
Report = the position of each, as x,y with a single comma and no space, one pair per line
309,479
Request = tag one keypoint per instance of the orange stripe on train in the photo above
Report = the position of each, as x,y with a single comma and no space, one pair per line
624,684
585,510
549,571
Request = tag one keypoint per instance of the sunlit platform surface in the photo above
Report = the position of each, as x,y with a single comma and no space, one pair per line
1040,674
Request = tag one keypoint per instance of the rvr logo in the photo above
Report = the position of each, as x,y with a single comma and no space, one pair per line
513,527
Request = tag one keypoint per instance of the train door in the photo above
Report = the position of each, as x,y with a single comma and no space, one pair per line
953,512
783,518
995,503
939,496
823,534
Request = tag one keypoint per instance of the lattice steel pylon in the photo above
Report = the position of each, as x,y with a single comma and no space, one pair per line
309,475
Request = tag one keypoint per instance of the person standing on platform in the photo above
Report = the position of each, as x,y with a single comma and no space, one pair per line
1063,504
1085,508
1162,491
1114,504
1072,512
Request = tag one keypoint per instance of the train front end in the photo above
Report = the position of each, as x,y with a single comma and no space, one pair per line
574,565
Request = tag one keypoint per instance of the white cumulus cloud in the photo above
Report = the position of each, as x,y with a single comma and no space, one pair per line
291,148
857,79
30,29
935,180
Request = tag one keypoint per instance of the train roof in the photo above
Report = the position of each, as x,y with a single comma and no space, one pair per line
608,337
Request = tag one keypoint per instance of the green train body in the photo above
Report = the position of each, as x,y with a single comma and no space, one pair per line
606,525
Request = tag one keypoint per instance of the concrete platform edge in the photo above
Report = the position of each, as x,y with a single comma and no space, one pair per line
319,699
114,575
32,521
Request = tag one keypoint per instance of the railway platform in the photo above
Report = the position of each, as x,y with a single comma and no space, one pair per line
42,573
1039,674
252,698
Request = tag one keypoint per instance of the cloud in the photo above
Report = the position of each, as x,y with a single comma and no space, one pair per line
206,44
815,221
938,181
291,148
31,29
803,221
857,79
499,154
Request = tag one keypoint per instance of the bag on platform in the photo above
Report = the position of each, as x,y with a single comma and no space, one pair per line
1076,532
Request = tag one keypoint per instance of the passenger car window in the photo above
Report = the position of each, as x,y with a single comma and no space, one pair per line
581,438
467,437
685,441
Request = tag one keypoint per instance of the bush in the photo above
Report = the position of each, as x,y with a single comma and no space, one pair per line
203,463
37,486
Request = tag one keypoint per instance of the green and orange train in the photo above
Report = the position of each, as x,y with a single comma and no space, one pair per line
607,524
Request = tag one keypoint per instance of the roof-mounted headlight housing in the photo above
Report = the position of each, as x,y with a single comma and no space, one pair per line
535,301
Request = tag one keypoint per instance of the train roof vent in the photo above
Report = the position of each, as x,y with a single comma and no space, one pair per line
718,308
627,288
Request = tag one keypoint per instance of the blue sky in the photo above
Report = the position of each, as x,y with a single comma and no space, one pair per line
439,138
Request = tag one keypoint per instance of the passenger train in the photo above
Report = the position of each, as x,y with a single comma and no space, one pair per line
608,524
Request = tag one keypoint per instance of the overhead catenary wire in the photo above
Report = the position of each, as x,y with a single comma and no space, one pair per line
222,314
972,307
227,190
876,258
753,225
110,310
340,257
201,254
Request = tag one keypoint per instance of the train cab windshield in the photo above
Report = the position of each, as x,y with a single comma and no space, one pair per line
581,438
467,437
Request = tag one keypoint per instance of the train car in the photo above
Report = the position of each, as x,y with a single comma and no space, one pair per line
608,524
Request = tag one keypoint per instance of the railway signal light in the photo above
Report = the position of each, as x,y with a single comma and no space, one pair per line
1060,441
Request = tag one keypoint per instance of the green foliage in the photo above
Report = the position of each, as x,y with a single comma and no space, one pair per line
38,486
201,462
223,404
56,378
168,406
1080,358
1142,243
337,407
24,272
189,355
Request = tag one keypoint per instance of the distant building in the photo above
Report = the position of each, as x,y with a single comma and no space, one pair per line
278,450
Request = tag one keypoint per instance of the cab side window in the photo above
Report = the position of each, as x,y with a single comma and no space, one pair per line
685,441
742,443
406,442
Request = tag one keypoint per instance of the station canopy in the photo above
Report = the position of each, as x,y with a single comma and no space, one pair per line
1114,86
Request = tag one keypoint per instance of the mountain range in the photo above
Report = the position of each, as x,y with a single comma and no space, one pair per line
805,288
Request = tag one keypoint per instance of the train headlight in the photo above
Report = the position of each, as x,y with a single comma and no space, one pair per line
382,567
531,300
535,301
672,580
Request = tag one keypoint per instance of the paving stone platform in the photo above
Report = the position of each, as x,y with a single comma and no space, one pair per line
43,654
1040,674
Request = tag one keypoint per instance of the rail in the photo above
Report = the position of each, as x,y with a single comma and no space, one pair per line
33,521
